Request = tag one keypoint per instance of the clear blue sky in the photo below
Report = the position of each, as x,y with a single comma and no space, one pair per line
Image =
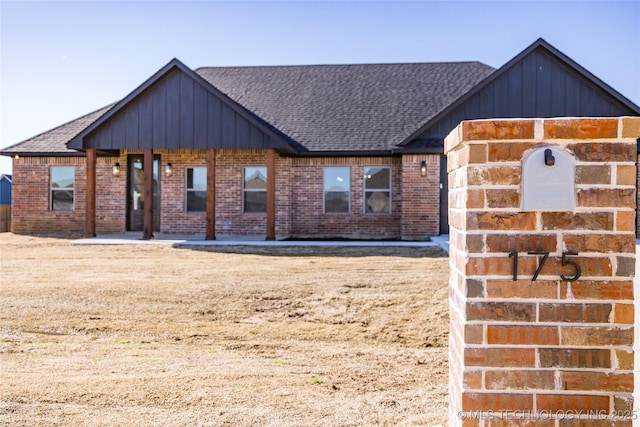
60,60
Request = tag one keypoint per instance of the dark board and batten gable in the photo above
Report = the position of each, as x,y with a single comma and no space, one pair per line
539,82
177,109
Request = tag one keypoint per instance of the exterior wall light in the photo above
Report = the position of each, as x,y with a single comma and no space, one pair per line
17,157
423,168
168,169
115,170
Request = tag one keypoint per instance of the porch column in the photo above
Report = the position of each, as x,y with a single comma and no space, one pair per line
211,195
271,194
90,190
147,166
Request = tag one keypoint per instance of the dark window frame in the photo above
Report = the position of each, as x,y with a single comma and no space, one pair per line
325,191
194,190
53,190
246,190
376,190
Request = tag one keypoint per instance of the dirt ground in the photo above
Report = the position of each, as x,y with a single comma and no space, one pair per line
143,335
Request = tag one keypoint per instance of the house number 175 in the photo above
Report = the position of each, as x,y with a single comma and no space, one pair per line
544,255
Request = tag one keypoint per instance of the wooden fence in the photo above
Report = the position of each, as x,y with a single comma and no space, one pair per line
5,218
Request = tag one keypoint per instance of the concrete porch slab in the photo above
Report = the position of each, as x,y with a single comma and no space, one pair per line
198,240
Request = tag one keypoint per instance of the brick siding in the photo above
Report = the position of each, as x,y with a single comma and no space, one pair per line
541,351
299,197
30,213
420,197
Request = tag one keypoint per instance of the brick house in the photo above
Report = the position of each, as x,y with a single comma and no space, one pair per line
327,151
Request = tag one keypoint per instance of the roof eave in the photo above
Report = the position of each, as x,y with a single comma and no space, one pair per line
372,153
424,150
345,153
12,153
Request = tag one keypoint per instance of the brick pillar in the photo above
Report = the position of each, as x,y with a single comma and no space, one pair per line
561,346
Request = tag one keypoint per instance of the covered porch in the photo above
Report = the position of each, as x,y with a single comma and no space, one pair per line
176,110
144,185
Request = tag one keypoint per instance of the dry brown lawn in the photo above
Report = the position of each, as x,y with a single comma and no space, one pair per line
142,335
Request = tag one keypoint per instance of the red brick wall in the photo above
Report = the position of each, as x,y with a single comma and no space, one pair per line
541,350
30,213
111,195
230,218
174,217
307,211
420,197
299,197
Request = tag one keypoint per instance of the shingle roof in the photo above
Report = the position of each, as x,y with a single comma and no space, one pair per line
54,141
364,107
347,107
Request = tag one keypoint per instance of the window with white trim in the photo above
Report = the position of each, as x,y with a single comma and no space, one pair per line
62,188
337,189
377,190
196,191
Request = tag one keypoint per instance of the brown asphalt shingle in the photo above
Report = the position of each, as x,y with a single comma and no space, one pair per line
347,107
54,141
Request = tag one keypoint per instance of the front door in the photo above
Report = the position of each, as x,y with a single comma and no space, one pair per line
135,193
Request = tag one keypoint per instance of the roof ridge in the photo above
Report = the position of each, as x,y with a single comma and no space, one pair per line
337,65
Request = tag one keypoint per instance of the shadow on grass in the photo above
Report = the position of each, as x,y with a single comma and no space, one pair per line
323,251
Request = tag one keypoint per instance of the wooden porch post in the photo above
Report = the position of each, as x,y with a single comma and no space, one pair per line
211,195
147,165
271,194
90,194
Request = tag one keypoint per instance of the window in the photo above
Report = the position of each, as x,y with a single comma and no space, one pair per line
255,189
337,184
62,188
377,190
197,189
